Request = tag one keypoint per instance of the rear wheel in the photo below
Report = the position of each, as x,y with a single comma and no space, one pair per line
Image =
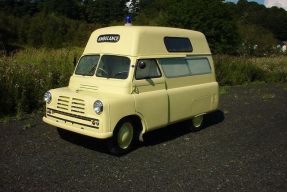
123,138
197,122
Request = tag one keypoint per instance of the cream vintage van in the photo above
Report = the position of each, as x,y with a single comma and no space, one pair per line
134,79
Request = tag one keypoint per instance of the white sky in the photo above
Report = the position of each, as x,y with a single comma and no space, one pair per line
278,3
268,3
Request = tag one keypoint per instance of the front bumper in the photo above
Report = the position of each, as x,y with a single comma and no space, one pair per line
76,127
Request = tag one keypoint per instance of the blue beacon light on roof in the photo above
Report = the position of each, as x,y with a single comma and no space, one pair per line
128,21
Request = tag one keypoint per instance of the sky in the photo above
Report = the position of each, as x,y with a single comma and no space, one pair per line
269,3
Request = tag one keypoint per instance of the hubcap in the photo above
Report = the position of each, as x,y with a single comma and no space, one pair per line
197,121
125,135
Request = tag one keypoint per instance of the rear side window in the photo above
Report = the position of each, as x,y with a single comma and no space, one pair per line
177,44
174,67
180,67
199,66
148,70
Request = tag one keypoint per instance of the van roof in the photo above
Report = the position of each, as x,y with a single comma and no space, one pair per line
143,41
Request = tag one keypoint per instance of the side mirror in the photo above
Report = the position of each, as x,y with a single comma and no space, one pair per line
142,65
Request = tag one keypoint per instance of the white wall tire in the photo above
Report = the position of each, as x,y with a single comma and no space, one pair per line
197,121
124,137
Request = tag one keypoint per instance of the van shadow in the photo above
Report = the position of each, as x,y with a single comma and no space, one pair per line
87,142
156,137
174,131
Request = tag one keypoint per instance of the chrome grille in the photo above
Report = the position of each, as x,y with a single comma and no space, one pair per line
74,105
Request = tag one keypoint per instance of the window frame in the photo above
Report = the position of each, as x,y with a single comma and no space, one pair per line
151,77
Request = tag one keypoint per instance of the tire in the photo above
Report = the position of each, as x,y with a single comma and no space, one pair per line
124,138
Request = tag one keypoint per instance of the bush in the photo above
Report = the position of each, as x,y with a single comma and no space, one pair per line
26,75
232,70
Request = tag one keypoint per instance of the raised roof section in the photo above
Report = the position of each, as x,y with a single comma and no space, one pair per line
144,41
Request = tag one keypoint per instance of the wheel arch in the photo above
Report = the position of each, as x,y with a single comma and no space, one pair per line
138,121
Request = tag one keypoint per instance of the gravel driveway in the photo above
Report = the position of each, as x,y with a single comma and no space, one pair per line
243,147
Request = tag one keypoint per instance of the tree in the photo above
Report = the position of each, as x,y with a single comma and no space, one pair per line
256,40
104,12
273,19
8,31
68,8
211,17
19,7
134,7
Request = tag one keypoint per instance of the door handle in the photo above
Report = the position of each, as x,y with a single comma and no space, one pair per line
135,90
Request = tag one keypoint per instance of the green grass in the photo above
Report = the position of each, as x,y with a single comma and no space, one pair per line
232,70
268,96
223,90
26,75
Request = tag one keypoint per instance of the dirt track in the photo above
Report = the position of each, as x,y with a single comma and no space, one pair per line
243,147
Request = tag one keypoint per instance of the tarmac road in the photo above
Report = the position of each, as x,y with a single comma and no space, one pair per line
243,147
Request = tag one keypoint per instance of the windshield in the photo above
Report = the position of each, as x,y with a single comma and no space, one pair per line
111,66
87,65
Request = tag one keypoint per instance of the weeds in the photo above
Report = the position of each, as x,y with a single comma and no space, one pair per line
244,70
268,96
26,75
223,90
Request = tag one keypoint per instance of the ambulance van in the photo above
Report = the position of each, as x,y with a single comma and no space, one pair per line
134,79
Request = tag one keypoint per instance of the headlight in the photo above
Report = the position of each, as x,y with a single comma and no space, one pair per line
98,107
48,97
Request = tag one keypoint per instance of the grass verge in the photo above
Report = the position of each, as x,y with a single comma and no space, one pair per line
26,75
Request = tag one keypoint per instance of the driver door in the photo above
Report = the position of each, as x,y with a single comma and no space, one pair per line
151,99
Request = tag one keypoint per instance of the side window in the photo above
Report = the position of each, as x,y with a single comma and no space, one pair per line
180,67
178,44
147,68
174,67
198,66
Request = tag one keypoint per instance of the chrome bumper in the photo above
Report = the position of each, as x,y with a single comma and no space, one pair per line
76,127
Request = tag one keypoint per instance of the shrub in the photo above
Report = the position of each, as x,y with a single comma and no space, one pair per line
232,70
26,75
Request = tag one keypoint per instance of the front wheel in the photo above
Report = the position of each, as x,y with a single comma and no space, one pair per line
123,138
